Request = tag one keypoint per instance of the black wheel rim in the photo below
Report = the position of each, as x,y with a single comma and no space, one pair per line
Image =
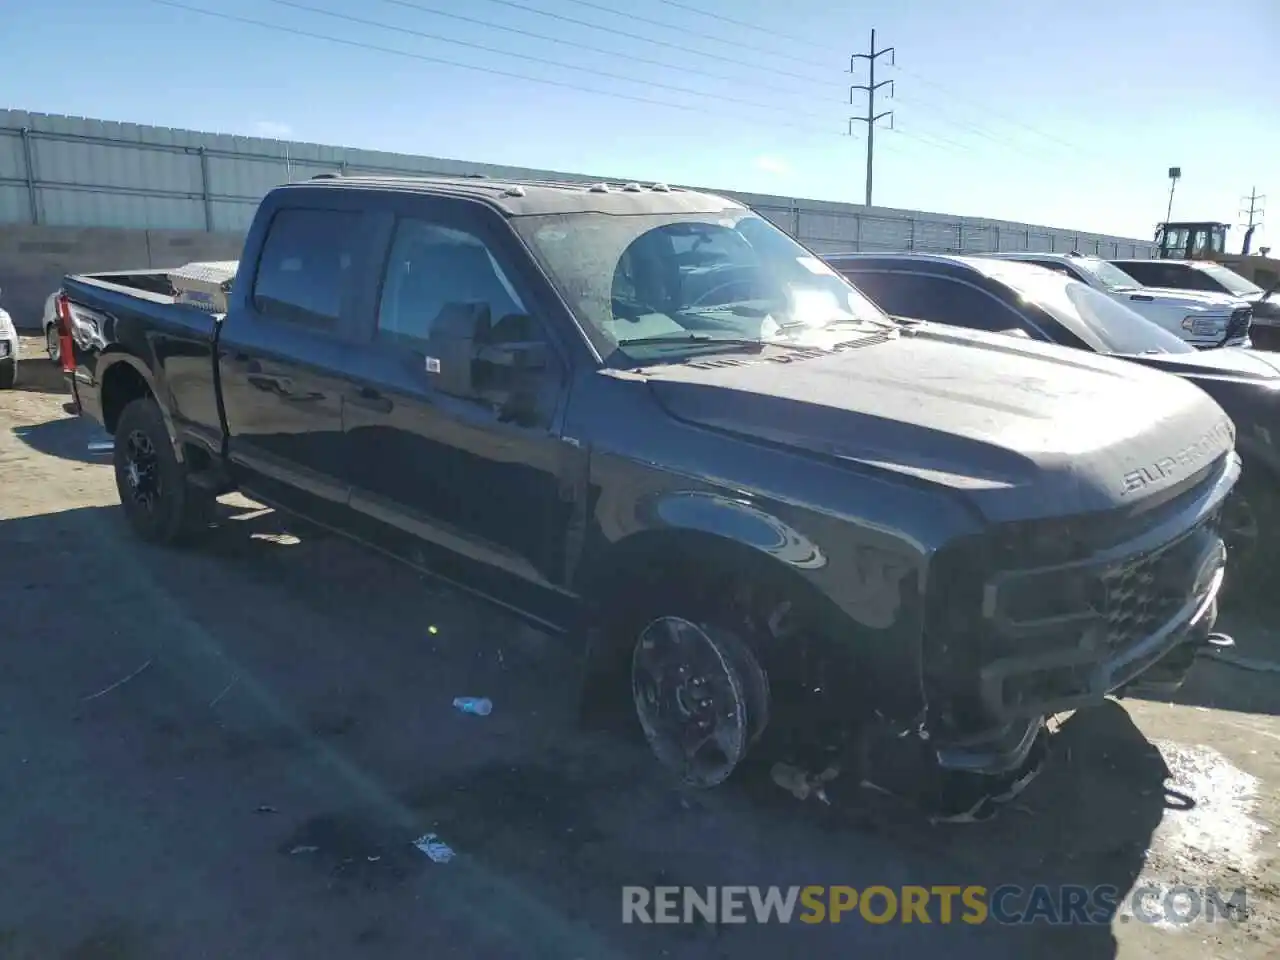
690,701
142,471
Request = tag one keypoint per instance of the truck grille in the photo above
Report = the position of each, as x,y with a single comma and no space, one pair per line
1141,595
1240,322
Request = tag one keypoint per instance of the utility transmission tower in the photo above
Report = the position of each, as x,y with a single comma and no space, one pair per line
871,87
1254,214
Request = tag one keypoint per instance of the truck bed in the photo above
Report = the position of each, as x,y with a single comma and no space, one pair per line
171,345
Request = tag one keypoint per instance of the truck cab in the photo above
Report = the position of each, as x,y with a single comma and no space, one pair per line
1191,240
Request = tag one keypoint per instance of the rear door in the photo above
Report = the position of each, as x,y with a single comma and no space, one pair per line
281,360
468,484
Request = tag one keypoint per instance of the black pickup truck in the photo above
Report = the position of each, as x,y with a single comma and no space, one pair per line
647,418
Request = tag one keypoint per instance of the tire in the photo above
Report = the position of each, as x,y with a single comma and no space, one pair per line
53,345
1251,529
8,373
712,691
160,505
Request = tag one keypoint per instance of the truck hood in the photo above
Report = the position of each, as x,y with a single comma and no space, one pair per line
1226,362
1022,430
1193,300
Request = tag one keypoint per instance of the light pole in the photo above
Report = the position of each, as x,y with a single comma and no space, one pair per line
1175,174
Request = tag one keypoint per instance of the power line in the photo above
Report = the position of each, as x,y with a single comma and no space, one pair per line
993,112
682,68
692,33
692,51
930,139
744,24
443,61
544,61
922,79
871,87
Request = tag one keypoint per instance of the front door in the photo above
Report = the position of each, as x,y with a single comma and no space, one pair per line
281,357
467,484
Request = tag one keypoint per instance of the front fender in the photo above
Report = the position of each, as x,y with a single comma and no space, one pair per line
733,519
863,583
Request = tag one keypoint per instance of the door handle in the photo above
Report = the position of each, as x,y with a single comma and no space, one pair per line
370,399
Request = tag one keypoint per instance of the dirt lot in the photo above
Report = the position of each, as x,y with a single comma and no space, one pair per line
284,733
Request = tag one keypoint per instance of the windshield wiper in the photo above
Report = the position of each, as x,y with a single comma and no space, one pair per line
691,339
739,308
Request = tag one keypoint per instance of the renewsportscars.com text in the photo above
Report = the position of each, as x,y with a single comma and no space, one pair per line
943,904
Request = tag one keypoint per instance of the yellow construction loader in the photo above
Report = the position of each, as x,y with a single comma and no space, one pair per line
1208,241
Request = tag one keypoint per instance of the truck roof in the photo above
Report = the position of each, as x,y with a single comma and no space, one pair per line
524,198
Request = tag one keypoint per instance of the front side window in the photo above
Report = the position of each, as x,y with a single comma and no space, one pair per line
656,287
432,268
1224,278
306,265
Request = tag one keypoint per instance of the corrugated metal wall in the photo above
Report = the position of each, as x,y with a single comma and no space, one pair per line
77,172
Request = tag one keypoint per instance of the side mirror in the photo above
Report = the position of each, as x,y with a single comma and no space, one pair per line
527,355
452,344
467,355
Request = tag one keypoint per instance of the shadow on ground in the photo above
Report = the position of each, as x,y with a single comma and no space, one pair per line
1244,678
66,438
36,373
291,731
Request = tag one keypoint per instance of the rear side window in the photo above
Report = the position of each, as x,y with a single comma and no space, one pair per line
937,299
306,265
433,268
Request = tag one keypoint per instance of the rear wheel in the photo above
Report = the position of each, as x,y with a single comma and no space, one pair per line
8,373
157,500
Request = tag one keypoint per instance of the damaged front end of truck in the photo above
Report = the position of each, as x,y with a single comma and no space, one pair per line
1033,619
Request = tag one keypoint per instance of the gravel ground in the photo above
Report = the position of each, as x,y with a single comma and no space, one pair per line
284,733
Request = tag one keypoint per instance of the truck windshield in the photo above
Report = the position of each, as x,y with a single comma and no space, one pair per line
659,287
1107,274
1231,281
1105,324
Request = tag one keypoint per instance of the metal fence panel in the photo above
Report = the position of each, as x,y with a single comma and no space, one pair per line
936,236
13,165
15,205
70,208
87,172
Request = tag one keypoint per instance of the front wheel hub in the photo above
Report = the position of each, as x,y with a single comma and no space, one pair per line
693,690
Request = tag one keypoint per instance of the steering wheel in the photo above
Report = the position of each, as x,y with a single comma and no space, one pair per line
717,288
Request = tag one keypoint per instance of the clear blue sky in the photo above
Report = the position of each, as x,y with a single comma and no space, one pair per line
1067,114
